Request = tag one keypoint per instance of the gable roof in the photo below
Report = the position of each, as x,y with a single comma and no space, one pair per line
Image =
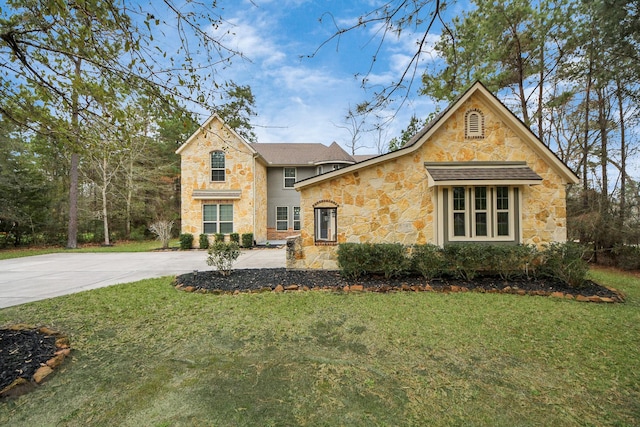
302,154
206,126
427,131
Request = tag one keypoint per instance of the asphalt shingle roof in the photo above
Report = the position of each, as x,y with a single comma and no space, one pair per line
301,154
497,173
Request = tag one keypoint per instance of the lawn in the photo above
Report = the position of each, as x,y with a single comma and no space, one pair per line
132,246
148,355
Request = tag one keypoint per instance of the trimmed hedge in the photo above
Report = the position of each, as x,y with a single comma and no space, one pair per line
247,240
560,261
186,241
204,241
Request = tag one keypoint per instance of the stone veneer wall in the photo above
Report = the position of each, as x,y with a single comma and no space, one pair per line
239,163
391,201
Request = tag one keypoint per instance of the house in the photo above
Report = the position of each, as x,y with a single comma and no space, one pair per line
231,186
476,173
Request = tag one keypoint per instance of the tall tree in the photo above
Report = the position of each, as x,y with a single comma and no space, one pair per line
61,60
238,110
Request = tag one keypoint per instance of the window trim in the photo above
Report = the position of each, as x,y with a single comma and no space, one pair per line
285,221
218,169
218,221
332,232
285,177
470,222
297,223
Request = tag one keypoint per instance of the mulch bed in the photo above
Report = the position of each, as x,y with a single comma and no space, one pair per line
27,356
279,279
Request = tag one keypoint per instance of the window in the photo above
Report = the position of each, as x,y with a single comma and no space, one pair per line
296,217
326,222
289,177
217,166
217,219
474,124
282,218
481,213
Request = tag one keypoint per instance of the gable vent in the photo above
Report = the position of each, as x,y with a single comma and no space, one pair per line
474,124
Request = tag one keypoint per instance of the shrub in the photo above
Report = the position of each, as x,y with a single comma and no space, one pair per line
222,256
390,259
162,230
627,257
247,240
564,262
465,260
510,261
354,259
186,241
219,237
234,237
357,259
428,260
204,241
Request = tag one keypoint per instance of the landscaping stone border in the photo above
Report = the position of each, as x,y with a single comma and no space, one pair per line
618,298
63,349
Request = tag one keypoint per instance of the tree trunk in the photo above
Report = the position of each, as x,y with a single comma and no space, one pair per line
72,230
623,158
105,218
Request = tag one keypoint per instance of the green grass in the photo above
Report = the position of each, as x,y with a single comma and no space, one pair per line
137,246
148,355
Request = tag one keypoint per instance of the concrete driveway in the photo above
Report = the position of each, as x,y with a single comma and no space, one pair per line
39,277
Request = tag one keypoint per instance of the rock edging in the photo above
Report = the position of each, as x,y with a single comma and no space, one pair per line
617,298
63,349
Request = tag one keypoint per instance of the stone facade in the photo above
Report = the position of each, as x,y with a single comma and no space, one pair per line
245,181
390,200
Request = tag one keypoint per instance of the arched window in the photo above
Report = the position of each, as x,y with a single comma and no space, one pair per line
474,124
217,166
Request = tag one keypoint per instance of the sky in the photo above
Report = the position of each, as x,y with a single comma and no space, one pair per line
303,94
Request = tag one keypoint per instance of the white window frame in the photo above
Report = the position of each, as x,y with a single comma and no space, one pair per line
289,181
217,222
218,169
328,217
297,218
280,222
491,214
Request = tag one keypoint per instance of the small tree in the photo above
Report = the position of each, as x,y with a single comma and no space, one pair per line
223,255
162,230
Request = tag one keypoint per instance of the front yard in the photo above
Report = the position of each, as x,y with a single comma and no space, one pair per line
147,354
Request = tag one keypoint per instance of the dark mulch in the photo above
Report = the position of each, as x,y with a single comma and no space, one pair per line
257,279
22,353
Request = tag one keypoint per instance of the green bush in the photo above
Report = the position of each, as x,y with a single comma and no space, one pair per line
218,237
357,259
234,237
186,241
564,262
510,261
465,260
428,260
354,259
247,240
390,259
223,255
627,257
204,241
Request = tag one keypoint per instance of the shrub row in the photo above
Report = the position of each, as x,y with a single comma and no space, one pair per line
560,261
186,240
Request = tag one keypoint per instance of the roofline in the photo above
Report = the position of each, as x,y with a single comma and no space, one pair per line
225,125
426,132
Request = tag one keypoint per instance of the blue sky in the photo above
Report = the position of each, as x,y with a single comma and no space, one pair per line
305,99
